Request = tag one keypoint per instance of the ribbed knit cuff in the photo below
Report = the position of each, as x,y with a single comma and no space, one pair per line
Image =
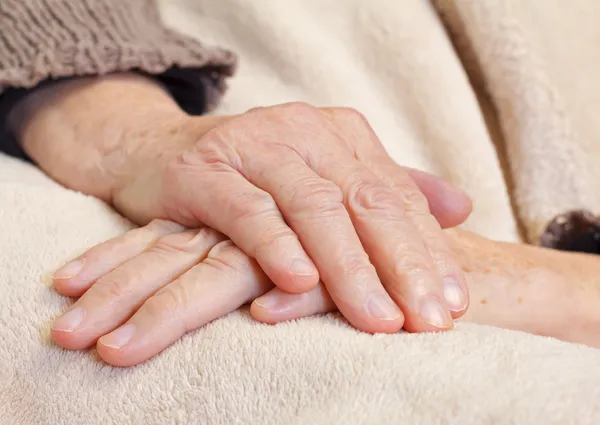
45,39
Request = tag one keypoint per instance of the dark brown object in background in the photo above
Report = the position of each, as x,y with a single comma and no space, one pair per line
577,230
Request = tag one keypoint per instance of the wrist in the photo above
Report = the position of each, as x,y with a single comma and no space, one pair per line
138,192
84,132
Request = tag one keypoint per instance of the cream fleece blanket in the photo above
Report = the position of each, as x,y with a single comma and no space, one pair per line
535,93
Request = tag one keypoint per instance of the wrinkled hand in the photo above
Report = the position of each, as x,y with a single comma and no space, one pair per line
312,195
143,290
309,193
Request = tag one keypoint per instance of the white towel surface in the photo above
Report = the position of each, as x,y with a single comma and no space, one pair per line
394,62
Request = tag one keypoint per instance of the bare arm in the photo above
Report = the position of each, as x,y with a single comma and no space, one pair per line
83,138
528,288
46,42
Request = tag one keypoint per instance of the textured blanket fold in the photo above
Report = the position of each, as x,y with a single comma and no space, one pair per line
538,65
436,106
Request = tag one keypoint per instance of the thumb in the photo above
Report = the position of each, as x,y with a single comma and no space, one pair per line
279,306
449,205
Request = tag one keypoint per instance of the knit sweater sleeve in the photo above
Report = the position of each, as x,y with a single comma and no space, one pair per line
46,40
42,39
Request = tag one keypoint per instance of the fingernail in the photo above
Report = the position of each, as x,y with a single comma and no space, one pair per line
69,321
434,313
69,270
454,295
118,338
383,308
302,268
267,301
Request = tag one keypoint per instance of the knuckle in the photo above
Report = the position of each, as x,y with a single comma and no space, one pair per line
299,107
188,241
374,197
352,115
217,149
174,243
413,198
355,122
225,250
271,238
357,265
246,205
410,261
167,303
300,115
163,251
115,285
316,195
227,258
428,230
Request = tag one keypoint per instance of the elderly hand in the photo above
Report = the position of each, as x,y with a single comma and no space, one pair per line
141,291
309,193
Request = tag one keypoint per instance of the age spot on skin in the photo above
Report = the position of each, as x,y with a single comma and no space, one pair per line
520,300
484,301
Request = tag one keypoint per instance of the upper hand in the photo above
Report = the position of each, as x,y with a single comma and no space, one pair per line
310,194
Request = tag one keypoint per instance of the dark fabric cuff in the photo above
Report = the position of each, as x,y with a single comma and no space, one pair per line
190,89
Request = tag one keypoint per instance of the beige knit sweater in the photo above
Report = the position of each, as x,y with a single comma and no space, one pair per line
41,39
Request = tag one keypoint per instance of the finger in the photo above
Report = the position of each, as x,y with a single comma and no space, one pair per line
251,219
455,288
449,205
307,203
74,278
366,147
397,248
226,280
278,306
316,205
117,295
314,208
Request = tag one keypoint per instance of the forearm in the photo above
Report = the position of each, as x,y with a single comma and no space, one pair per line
103,37
83,131
524,287
480,255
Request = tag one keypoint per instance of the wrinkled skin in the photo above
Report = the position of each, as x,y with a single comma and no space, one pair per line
123,140
312,195
308,193
142,291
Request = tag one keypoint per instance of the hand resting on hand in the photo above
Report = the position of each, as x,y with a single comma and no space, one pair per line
142,291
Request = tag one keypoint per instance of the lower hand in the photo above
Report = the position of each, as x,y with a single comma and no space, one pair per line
143,290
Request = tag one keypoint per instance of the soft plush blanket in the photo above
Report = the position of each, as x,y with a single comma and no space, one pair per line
518,89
